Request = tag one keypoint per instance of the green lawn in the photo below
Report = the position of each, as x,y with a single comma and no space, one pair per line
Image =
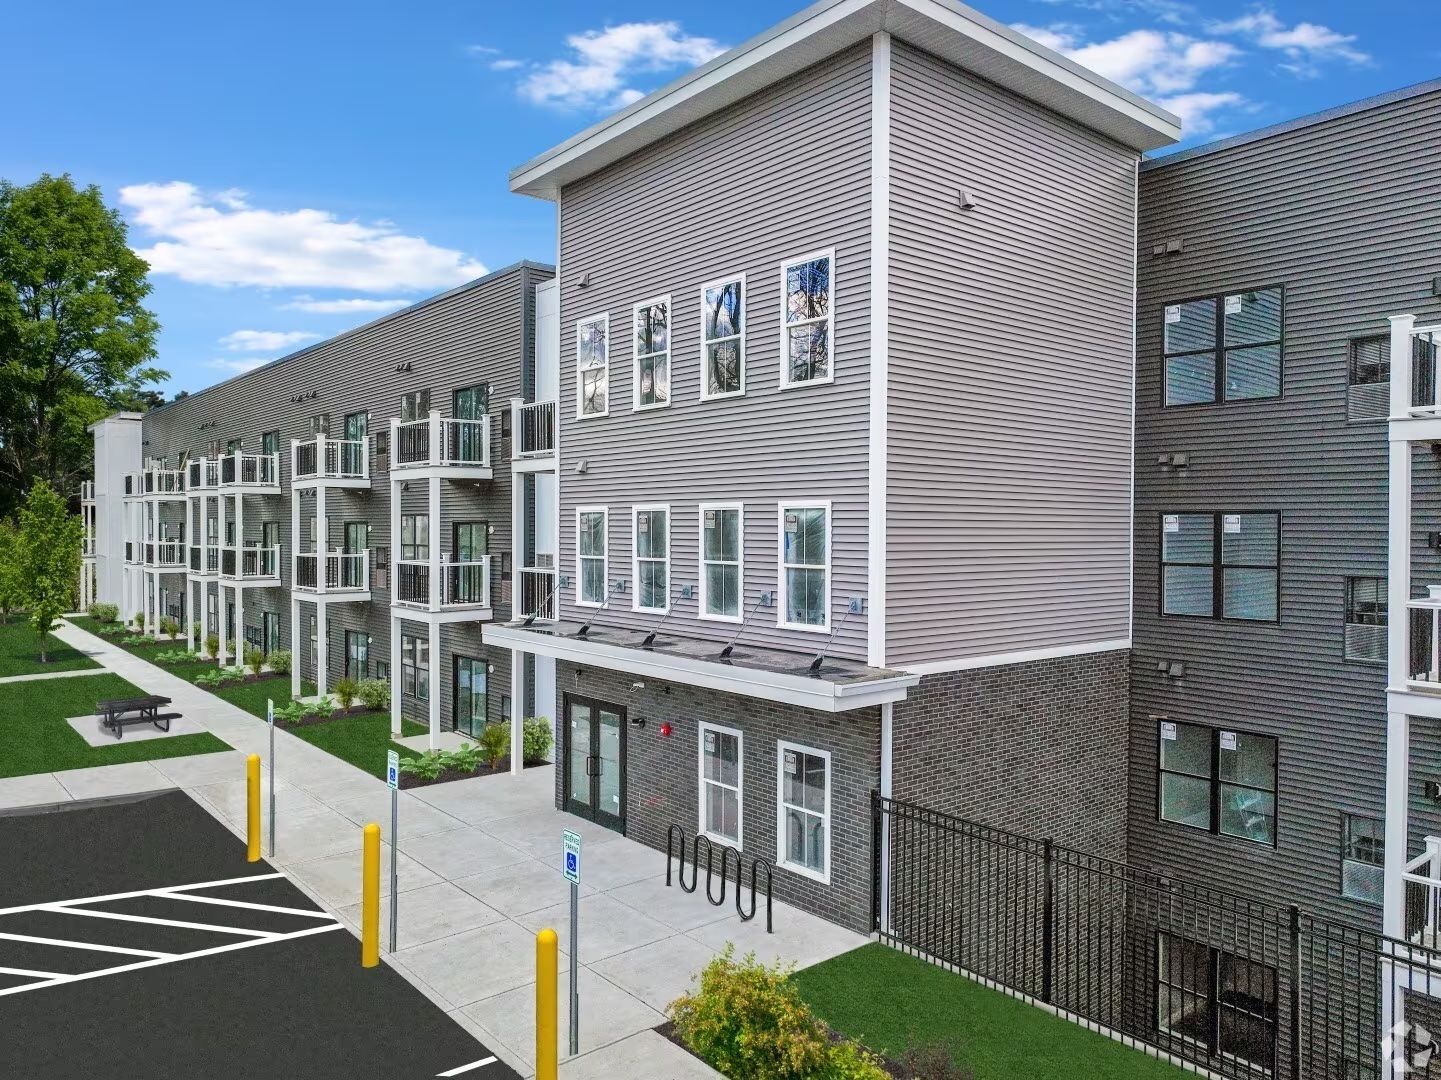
361,739
20,651
34,737
888,1000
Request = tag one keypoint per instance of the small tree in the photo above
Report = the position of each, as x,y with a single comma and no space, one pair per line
50,543
12,578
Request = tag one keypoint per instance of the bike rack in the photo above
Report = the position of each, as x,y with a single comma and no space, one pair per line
676,838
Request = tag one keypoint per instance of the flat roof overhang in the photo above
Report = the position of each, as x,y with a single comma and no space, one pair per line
946,28
770,674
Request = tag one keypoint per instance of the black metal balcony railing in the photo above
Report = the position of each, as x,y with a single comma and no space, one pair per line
466,583
459,442
343,571
534,425
227,561
537,593
412,583
346,459
412,443
1424,386
250,470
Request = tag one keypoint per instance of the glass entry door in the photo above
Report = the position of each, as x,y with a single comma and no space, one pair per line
469,699
595,761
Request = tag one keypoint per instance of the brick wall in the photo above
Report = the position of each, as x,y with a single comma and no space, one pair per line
663,784
1037,748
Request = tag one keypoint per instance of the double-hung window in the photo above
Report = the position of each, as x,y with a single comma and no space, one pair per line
1221,565
720,783
721,548
1216,999
807,319
270,442
592,570
414,537
1365,634
805,585
651,325
652,558
1217,780
723,355
592,366
805,810
414,405
415,666
1224,348
1363,856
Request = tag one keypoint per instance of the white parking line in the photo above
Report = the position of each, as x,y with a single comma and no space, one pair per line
67,909
92,946
141,892
28,974
467,1068
248,905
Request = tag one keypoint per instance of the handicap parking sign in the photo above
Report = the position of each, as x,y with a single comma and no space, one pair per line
572,857
392,768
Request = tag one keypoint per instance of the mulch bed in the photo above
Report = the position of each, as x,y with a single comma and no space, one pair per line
895,1069
312,719
447,775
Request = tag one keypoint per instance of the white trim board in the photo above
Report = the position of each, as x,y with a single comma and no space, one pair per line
970,663
880,328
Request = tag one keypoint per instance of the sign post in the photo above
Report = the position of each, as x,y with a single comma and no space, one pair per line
392,778
270,722
572,874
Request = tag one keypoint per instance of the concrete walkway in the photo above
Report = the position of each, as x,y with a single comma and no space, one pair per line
479,874
41,675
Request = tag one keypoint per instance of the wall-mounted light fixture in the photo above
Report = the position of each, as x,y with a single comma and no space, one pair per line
1173,669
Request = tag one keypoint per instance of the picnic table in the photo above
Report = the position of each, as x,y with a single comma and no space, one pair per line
118,712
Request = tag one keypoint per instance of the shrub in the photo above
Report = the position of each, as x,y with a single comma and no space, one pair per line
135,639
280,661
427,766
114,629
292,712
464,759
536,740
494,743
747,1019
175,656
345,691
254,659
103,613
197,632
212,645
322,706
170,628
374,694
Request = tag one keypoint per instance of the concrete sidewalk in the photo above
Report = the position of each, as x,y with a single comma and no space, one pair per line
479,874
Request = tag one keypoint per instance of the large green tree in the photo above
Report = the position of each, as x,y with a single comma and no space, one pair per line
76,340
48,549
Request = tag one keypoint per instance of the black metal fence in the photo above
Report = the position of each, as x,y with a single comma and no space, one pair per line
1238,987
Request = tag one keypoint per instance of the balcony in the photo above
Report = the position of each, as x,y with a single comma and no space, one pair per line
202,474
1423,671
257,474
455,591
205,560
87,548
532,426
252,564
87,492
346,574
133,553
536,599
436,446
333,462
162,483
165,554
1422,918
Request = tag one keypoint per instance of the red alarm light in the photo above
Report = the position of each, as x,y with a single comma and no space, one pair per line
665,730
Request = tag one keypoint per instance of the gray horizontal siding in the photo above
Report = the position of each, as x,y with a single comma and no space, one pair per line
1340,214
742,191
1009,413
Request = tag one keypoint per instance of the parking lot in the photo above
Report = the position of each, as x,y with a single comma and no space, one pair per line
137,942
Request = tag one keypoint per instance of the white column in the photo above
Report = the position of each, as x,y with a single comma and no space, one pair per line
239,624
191,611
322,649
517,695
322,536
295,653
434,703
435,535
220,620
396,687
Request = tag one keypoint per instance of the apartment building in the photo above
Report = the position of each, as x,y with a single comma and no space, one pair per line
354,502
835,514
1271,268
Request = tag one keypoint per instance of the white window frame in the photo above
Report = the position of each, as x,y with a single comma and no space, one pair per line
580,413
635,512
740,339
635,356
739,842
580,512
805,871
786,382
702,611
823,627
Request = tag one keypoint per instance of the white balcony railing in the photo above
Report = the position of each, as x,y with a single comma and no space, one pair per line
438,442
241,470
88,546
202,474
205,558
87,491
322,458
1424,662
250,563
1422,920
454,585
165,553
536,599
344,571
162,482
532,427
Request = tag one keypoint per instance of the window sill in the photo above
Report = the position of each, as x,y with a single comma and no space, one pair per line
803,871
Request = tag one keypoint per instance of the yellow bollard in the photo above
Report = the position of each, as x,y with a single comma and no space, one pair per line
252,808
370,898
547,979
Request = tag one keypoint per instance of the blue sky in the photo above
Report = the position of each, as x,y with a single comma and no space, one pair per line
292,170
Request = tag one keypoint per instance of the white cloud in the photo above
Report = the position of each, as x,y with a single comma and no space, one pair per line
1305,45
482,50
1195,109
605,61
221,240
506,65
238,366
265,340
350,305
1146,61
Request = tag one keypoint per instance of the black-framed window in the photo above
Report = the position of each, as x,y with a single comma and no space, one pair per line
270,442
270,631
357,654
1363,857
1224,1002
1224,565
414,537
232,445
415,666
382,670
415,405
1219,780
1223,348
1365,633
320,424
1370,360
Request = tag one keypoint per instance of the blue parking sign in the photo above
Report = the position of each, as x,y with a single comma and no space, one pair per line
572,856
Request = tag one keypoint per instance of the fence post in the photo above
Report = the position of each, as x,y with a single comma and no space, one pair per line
1295,1040
875,860
1048,943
